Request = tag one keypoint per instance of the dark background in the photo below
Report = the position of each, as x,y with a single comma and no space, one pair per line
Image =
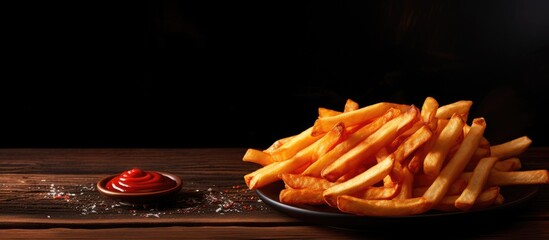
246,73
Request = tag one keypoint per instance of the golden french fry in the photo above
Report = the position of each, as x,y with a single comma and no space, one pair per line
356,117
380,192
331,139
412,143
457,164
325,112
500,178
301,196
460,107
294,145
276,144
351,141
365,179
257,156
298,181
486,198
406,191
476,183
455,189
403,136
350,105
511,164
429,111
395,177
262,172
444,141
511,148
393,207
351,174
271,173
369,146
484,143
382,154
416,162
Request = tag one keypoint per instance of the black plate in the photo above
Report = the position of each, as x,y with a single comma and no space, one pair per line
515,196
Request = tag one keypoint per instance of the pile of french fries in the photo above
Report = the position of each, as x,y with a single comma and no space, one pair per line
391,159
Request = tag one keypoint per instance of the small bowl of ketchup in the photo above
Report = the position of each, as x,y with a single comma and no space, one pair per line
136,186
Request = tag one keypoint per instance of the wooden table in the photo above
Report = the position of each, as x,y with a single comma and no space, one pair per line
51,193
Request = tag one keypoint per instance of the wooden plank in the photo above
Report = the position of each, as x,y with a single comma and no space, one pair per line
36,190
73,199
43,188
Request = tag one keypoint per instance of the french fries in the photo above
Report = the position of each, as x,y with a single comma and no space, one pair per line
448,136
476,184
392,159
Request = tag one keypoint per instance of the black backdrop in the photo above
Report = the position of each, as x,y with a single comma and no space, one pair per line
245,73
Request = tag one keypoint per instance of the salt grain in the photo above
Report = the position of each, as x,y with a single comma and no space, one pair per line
231,199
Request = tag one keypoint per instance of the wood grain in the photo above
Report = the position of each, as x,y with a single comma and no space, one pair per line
50,193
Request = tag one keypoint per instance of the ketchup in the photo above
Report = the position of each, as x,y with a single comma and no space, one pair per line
136,180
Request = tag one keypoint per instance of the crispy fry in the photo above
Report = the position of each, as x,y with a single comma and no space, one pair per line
356,117
412,143
448,136
298,181
500,178
455,189
331,139
369,146
395,177
511,164
351,141
476,183
272,172
484,143
366,179
276,144
301,196
294,145
406,134
428,112
393,207
265,170
380,192
460,107
325,112
457,164
486,198
257,156
416,162
350,105
351,174
511,148
406,191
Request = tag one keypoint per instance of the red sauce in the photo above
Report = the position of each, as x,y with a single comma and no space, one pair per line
137,180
